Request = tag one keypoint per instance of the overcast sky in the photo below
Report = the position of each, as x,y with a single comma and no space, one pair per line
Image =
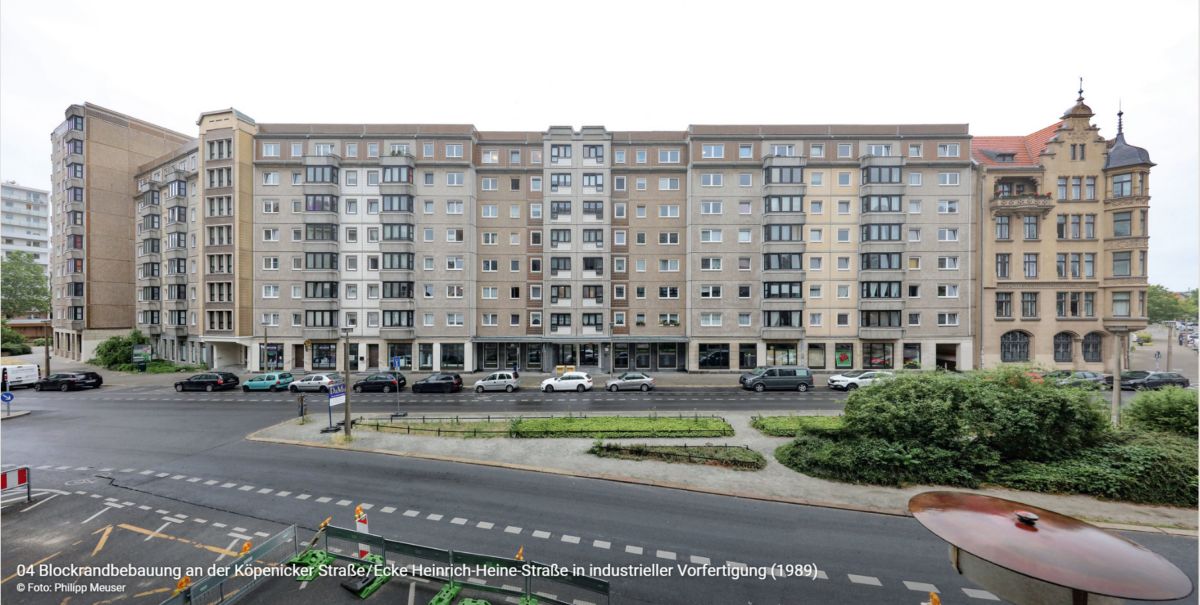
1005,68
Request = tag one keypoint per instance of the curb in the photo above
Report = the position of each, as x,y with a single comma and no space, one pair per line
14,415
666,484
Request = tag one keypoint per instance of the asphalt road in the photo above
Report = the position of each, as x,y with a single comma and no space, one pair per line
172,477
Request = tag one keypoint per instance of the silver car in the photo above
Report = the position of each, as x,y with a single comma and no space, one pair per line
315,382
498,381
630,380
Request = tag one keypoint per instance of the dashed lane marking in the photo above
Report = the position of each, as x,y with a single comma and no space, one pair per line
434,517
211,482
975,593
228,485
324,499
537,533
698,560
193,479
821,575
146,472
737,564
367,506
265,490
665,554
484,525
245,488
512,530
161,475
283,494
458,521
303,497
343,503
241,530
633,550
220,525
94,495
388,509
62,468
601,544
920,586
570,539
162,512
199,520
241,536
178,477
867,580
262,534
411,513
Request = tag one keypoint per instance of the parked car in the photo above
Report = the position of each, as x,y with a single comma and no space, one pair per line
68,381
438,382
271,381
498,381
1126,376
209,381
790,378
1155,380
1072,378
401,381
383,383
319,383
23,375
630,380
849,381
570,381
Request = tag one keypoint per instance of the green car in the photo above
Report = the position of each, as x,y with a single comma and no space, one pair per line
271,381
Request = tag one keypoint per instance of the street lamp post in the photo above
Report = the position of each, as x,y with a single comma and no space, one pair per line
346,363
1119,346
262,355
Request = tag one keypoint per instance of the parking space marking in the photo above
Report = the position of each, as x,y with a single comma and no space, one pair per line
100,512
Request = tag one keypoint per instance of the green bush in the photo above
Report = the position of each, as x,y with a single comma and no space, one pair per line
1144,338
738,458
1147,468
1172,410
38,342
1003,411
875,461
9,335
118,350
15,348
789,426
158,366
601,427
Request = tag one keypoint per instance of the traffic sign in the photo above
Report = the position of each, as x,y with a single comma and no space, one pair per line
7,397
337,394
1158,354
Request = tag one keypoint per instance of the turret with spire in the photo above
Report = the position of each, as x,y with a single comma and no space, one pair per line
1122,154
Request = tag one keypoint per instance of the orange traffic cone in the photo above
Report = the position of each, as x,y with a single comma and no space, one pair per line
520,556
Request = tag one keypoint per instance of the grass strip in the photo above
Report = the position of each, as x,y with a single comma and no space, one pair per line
730,456
789,426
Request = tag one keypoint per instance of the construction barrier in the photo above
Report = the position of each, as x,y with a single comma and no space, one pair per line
536,586
229,586
17,477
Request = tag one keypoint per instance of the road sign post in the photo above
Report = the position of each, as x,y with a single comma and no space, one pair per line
337,396
7,398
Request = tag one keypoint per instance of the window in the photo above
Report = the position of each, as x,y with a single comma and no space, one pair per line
947,319
881,203
914,179
712,179
1029,304
1121,264
454,150
745,236
710,320
270,178
947,291
947,150
783,175
948,234
668,184
1122,224
879,149
710,291
1004,304
1014,347
844,150
1122,185
947,207
270,150
270,235
948,178
1092,346
668,156
1031,265
454,179
949,263
712,235
784,203
712,152
640,184
1002,227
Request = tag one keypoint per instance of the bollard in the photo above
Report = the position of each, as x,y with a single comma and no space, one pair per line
300,405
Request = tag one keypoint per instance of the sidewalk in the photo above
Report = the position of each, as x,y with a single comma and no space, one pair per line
775,483
1183,359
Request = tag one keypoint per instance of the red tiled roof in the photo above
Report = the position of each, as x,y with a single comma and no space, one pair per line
1026,150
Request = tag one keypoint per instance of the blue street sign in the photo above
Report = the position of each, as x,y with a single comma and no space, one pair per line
7,397
397,363
337,394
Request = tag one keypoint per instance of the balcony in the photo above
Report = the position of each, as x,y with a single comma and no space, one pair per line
560,330
176,331
782,333
400,159
882,218
881,333
881,304
1021,203
396,188
176,174
784,246
876,161
560,273
883,246
397,333
784,218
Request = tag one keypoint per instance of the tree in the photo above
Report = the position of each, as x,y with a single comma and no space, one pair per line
23,285
1163,305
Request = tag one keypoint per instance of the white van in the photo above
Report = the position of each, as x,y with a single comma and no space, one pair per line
23,375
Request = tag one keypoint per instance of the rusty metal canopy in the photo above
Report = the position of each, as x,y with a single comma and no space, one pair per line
1050,547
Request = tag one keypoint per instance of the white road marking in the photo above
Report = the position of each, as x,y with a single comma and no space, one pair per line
975,593
62,468
512,530
511,587
194,479
484,525
245,488
601,544
242,536
283,494
434,517
181,517
547,595
633,550
343,503
821,575
388,509
700,560
367,506
162,512
303,497
570,539
737,564
324,499
178,477
94,495
220,525
868,580
458,521
920,586
262,534
146,472
157,531
80,492
230,547
241,530
127,503
228,485
211,482
581,602
265,490
106,470
665,554
476,581
537,533
110,499
40,502
199,520
161,475
411,513
43,467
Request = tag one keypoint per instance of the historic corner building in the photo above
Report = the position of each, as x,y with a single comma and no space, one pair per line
444,247
1064,244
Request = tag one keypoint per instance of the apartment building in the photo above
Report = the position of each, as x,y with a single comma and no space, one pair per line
95,157
1063,255
26,225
